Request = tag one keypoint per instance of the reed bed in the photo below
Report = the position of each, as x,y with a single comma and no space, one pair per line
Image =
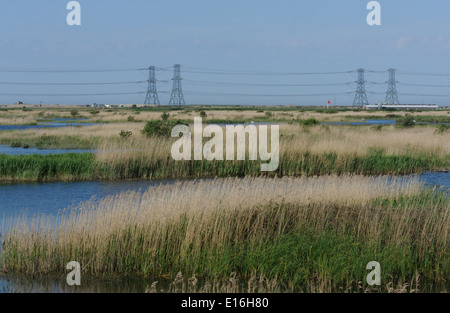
309,151
297,230
87,167
303,151
350,140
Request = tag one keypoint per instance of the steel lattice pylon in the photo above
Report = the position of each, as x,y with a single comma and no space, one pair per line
360,95
152,93
391,94
177,97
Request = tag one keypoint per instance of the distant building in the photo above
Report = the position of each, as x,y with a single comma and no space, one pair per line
18,103
401,106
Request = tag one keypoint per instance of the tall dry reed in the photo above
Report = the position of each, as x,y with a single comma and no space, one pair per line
298,229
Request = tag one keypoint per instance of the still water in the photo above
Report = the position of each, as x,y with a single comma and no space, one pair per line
365,122
57,284
22,151
55,123
50,198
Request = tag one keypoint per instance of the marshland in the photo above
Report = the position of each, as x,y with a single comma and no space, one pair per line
349,189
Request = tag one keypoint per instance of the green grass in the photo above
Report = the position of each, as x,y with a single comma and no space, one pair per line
75,166
431,119
22,168
55,142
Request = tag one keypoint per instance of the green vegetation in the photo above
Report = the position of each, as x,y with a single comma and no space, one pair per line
377,127
125,134
71,167
297,236
15,145
165,116
431,119
326,111
161,127
65,167
309,122
442,128
407,121
54,142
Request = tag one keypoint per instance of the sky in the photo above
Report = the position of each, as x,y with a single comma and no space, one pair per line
255,52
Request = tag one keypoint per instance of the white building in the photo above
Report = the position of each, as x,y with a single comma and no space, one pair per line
401,106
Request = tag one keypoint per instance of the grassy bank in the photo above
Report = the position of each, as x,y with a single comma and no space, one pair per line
60,167
299,231
86,166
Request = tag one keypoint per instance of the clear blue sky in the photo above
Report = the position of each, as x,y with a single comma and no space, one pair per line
246,35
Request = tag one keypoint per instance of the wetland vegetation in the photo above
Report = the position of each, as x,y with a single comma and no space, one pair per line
312,225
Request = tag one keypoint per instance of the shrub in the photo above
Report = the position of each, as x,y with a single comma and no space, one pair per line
94,112
269,114
160,128
407,122
165,116
15,145
203,114
45,141
309,122
125,134
74,112
130,118
442,129
392,116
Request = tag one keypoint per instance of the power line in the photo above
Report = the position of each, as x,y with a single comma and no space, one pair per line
236,72
177,92
70,84
72,94
423,95
422,74
423,85
201,93
13,70
264,85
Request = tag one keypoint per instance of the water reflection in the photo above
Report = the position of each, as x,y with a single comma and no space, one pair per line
28,151
55,284
49,198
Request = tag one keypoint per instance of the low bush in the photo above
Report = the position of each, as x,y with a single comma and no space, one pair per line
160,127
